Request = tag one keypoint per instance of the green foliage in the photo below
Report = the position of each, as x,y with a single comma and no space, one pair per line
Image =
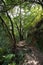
4,38
7,59
29,15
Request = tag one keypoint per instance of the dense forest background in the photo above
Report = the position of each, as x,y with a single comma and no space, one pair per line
21,24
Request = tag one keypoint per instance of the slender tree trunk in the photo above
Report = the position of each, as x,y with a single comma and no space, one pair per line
9,34
13,35
20,33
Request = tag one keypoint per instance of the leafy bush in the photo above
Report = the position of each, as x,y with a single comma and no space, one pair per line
7,58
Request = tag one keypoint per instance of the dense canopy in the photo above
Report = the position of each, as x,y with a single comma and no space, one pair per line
20,20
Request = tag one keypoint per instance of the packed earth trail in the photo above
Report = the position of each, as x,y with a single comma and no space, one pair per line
30,55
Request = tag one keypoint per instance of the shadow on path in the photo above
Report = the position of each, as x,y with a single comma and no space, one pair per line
28,55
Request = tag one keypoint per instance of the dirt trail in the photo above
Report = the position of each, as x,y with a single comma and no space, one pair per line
31,56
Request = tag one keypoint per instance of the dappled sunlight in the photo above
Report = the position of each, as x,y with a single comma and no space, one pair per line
29,60
33,61
21,32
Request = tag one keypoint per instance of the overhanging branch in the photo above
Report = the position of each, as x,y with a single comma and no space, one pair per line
11,24
22,1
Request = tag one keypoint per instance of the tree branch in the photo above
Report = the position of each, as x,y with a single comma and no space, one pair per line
11,24
17,27
37,2
12,27
22,1
4,25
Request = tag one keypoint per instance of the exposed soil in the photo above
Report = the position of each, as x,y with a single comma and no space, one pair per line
29,54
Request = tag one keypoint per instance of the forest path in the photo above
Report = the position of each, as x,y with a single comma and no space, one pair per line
28,55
